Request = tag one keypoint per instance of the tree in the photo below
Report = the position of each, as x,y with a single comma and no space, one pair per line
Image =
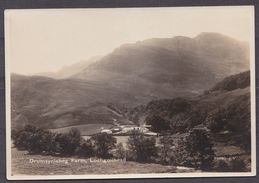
120,151
196,116
33,139
142,148
24,139
179,155
179,123
217,120
38,141
68,142
167,144
85,149
103,143
48,142
20,140
199,148
157,123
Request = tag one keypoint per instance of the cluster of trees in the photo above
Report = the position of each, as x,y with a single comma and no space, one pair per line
236,120
233,118
141,148
229,115
39,141
101,145
195,149
241,80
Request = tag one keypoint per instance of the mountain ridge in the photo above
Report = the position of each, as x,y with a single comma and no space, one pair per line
132,75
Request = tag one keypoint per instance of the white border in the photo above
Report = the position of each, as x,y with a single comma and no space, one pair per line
128,176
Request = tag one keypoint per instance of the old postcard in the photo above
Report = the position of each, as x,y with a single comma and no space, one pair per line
130,92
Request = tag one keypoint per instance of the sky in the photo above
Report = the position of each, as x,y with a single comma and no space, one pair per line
47,40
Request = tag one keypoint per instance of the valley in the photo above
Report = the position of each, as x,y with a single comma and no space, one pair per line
166,88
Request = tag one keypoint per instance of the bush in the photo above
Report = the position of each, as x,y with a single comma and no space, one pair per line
103,144
141,148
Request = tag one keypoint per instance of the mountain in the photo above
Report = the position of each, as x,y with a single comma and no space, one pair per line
133,74
68,71
169,67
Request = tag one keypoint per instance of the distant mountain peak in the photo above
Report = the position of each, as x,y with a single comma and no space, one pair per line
213,36
70,70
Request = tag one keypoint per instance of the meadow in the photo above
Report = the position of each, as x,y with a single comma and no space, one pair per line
28,164
85,130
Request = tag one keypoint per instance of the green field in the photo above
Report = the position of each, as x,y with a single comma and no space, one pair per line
87,129
21,165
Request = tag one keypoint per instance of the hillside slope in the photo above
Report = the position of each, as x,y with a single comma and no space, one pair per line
225,109
51,103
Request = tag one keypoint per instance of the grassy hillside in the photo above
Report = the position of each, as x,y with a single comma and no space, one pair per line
51,103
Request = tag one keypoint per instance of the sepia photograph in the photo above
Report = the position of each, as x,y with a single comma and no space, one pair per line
101,93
